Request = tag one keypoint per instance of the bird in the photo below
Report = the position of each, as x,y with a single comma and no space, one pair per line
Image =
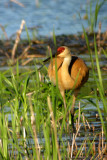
72,73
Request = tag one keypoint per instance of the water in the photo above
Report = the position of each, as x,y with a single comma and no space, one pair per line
61,15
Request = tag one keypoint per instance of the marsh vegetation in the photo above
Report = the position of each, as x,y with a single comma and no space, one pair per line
33,121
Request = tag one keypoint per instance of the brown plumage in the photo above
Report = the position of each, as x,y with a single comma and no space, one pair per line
72,73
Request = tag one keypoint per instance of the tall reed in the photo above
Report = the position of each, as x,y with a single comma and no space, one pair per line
92,14
99,82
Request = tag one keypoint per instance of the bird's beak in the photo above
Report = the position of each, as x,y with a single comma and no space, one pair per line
53,56
46,60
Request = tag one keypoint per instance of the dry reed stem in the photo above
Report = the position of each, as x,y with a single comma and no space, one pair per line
24,136
88,124
77,132
73,141
25,52
41,77
53,125
20,4
35,56
76,146
97,115
37,2
68,149
30,93
37,147
100,155
17,39
93,128
85,148
27,61
84,121
72,146
49,50
31,57
99,145
93,148
79,115
81,153
3,29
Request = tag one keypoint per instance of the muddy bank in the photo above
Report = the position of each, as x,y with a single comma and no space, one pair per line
41,47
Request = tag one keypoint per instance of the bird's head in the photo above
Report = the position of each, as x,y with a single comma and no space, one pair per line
63,51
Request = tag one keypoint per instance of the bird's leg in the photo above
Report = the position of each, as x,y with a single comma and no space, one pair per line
72,109
72,112
64,102
63,96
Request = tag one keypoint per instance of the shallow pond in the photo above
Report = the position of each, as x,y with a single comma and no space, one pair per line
61,15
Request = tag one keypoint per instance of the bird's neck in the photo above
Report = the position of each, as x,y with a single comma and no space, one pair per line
66,77
65,66
67,61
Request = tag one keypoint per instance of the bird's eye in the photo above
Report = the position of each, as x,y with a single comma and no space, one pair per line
60,49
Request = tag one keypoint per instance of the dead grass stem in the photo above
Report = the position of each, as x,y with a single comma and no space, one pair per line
37,147
17,40
53,126
17,2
